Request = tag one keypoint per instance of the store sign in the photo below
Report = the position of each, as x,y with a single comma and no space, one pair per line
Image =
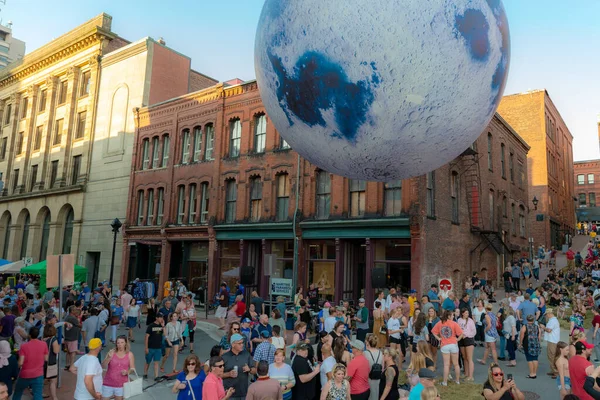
445,284
281,287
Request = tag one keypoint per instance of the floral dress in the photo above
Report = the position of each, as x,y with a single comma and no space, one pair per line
577,320
338,393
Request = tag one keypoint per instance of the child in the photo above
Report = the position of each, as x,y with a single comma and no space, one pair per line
561,362
277,340
115,319
247,332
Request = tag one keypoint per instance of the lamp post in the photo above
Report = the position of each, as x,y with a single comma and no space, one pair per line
115,225
535,202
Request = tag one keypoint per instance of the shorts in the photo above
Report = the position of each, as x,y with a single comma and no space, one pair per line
530,358
395,340
174,343
466,342
567,383
153,354
490,339
449,349
72,346
131,322
108,391
221,312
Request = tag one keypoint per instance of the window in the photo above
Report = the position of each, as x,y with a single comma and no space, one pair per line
42,101
86,78
582,200
513,227
62,92
165,151
505,207
7,114
323,194
210,142
145,154
185,146
357,197
180,204
454,195
45,237
3,149
392,198
503,160
522,221
19,145
58,130
590,178
430,194
580,179
24,104
80,130
160,206
197,144
490,160
283,197
592,199
6,238
260,133
37,141
511,167
255,199
236,138
53,173
25,237
68,233
15,182
32,182
204,199
230,199
283,145
76,169
193,205
492,210
150,209
140,210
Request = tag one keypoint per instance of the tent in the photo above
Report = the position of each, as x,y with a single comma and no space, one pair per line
40,269
12,268
4,262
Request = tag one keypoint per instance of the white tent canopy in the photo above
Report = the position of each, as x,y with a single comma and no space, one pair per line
12,268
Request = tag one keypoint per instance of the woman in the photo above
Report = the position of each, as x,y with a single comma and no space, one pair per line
576,321
51,367
19,333
403,334
509,329
298,297
299,336
378,324
119,363
337,388
539,294
374,356
388,385
467,344
394,328
430,393
526,268
419,329
434,344
342,356
213,389
225,340
561,362
282,372
478,318
240,306
496,388
491,335
152,311
338,331
232,313
252,315
189,314
449,344
173,331
116,317
277,320
530,339
9,368
188,384
303,314
133,315
423,348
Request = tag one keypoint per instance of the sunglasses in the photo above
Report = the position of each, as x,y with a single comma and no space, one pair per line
235,329
192,364
219,365
498,374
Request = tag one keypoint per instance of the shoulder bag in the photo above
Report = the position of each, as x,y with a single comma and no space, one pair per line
133,387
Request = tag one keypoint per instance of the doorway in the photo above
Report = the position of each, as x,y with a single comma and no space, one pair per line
92,262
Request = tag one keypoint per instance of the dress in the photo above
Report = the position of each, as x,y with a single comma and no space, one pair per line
338,393
381,337
393,394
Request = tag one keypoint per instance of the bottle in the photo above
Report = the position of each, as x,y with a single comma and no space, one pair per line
236,370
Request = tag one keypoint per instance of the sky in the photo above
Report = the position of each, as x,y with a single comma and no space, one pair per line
554,43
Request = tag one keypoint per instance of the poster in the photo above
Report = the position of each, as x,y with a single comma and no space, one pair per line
68,270
281,287
323,276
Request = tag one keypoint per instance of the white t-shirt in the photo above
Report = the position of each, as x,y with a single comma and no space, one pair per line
87,365
554,336
326,366
278,342
393,324
329,324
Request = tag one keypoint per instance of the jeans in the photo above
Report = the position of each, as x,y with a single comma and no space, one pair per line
516,283
507,287
113,331
502,347
361,334
511,347
536,274
36,384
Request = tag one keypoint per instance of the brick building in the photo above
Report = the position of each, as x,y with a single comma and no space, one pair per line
214,189
587,187
550,163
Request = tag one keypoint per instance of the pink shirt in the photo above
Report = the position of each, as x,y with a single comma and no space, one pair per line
126,301
447,331
113,377
358,369
34,352
212,388
467,327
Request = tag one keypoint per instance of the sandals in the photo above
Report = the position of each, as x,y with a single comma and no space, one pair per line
531,377
481,362
162,370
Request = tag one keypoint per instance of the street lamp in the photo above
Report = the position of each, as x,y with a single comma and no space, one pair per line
535,202
115,225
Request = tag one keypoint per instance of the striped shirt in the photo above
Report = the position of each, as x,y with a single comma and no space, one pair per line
284,375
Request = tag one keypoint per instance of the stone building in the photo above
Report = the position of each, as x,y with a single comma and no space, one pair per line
215,189
550,163
587,187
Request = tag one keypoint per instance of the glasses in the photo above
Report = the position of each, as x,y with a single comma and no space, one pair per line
192,364
219,365
498,374
235,329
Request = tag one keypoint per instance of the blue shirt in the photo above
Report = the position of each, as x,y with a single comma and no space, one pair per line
415,393
433,296
448,304
197,382
527,308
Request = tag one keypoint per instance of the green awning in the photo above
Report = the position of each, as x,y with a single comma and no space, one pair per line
393,228
249,231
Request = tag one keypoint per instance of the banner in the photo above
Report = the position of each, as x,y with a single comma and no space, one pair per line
281,287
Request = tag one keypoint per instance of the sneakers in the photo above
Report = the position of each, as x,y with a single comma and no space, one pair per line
444,383
145,376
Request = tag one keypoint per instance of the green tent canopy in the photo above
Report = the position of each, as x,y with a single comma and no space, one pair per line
40,269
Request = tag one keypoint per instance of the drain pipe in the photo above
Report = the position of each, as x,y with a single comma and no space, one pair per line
295,271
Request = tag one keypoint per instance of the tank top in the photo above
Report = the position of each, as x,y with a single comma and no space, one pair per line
301,338
393,394
338,393
113,377
493,320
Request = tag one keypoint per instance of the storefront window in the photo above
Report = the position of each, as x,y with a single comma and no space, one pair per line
198,265
321,266
394,257
284,249
230,262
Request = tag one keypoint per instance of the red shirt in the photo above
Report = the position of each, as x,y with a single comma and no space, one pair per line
212,388
596,320
577,367
358,369
34,352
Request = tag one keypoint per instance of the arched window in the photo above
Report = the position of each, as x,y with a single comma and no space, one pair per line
25,237
260,133
185,146
197,144
45,236
7,223
165,151
283,197
145,154
235,138
492,213
68,232
323,194
230,200
210,142
255,199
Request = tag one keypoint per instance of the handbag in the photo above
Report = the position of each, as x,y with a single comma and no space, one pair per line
383,330
51,371
114,320
133,387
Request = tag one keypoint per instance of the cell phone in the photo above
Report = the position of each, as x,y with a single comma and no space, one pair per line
509,377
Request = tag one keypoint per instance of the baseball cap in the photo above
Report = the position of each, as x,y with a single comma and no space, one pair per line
327,304
236,337
413,290
583,345
426,373
357,344
302,346
361,300
265,334
94,343
159,315
246,321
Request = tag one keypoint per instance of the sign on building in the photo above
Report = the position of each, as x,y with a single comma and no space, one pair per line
281,287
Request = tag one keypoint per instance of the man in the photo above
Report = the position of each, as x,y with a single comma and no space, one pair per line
362,320
426,304
530,289
3,391
89,373
72,331
404,304
265,351
551,337
330,321
238,357
389,300
221,312
513,302
570,259
358,372
125,300
536,269
448,303
515,274
476,284
434,298
394,304
264,388
32,356
507,278
304,374
313,296
380,298
412,299
464,303
153,344
7,323
30,290
167,309
92,325
426,379
329,362
580,368
263,325
48,296
526,308
259,303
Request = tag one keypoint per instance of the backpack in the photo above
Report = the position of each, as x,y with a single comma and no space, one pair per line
376,371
